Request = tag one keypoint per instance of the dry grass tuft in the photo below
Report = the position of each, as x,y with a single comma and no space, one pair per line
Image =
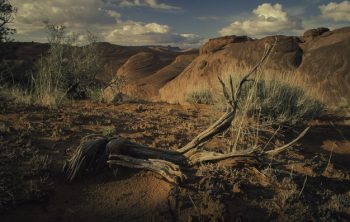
269,103
200,96
17,95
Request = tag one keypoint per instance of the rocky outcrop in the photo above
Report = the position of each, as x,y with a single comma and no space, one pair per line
313,33
115,56
321,56
217,44
203,71
146,73
147,70
144,64
326,63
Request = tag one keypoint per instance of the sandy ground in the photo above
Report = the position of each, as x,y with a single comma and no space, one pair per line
309,182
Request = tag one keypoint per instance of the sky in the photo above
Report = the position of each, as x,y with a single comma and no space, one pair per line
184,23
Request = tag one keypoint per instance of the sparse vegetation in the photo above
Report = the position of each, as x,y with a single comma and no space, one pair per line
269,104
282,98
279,102
200,96
95,94
16,94
67,70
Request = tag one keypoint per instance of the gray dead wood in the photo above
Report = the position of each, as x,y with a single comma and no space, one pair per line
169,171
88,156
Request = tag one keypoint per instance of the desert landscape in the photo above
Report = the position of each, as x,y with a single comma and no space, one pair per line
240,126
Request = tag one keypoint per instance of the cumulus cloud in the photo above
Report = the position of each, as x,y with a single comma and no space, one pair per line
97,16
147,3
336,11
139,28
266,19
139,33
32,15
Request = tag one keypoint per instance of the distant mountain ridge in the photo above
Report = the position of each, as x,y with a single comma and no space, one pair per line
113,56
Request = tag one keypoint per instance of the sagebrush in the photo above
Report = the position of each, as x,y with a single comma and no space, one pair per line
270,103
68,70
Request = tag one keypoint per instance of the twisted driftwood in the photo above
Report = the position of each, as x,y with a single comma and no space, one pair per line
170,165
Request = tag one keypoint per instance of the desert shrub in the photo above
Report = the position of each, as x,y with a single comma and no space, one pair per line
200,96
265,109
16,94
68,70
95,94
280,97
270,104
279,102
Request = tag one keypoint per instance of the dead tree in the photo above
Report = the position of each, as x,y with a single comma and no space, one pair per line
171,165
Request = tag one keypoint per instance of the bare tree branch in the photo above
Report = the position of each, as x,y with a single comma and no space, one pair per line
225,121
282,148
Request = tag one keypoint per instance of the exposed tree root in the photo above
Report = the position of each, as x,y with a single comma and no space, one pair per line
170,171
88,156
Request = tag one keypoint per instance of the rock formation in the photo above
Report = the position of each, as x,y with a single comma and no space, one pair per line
321,56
